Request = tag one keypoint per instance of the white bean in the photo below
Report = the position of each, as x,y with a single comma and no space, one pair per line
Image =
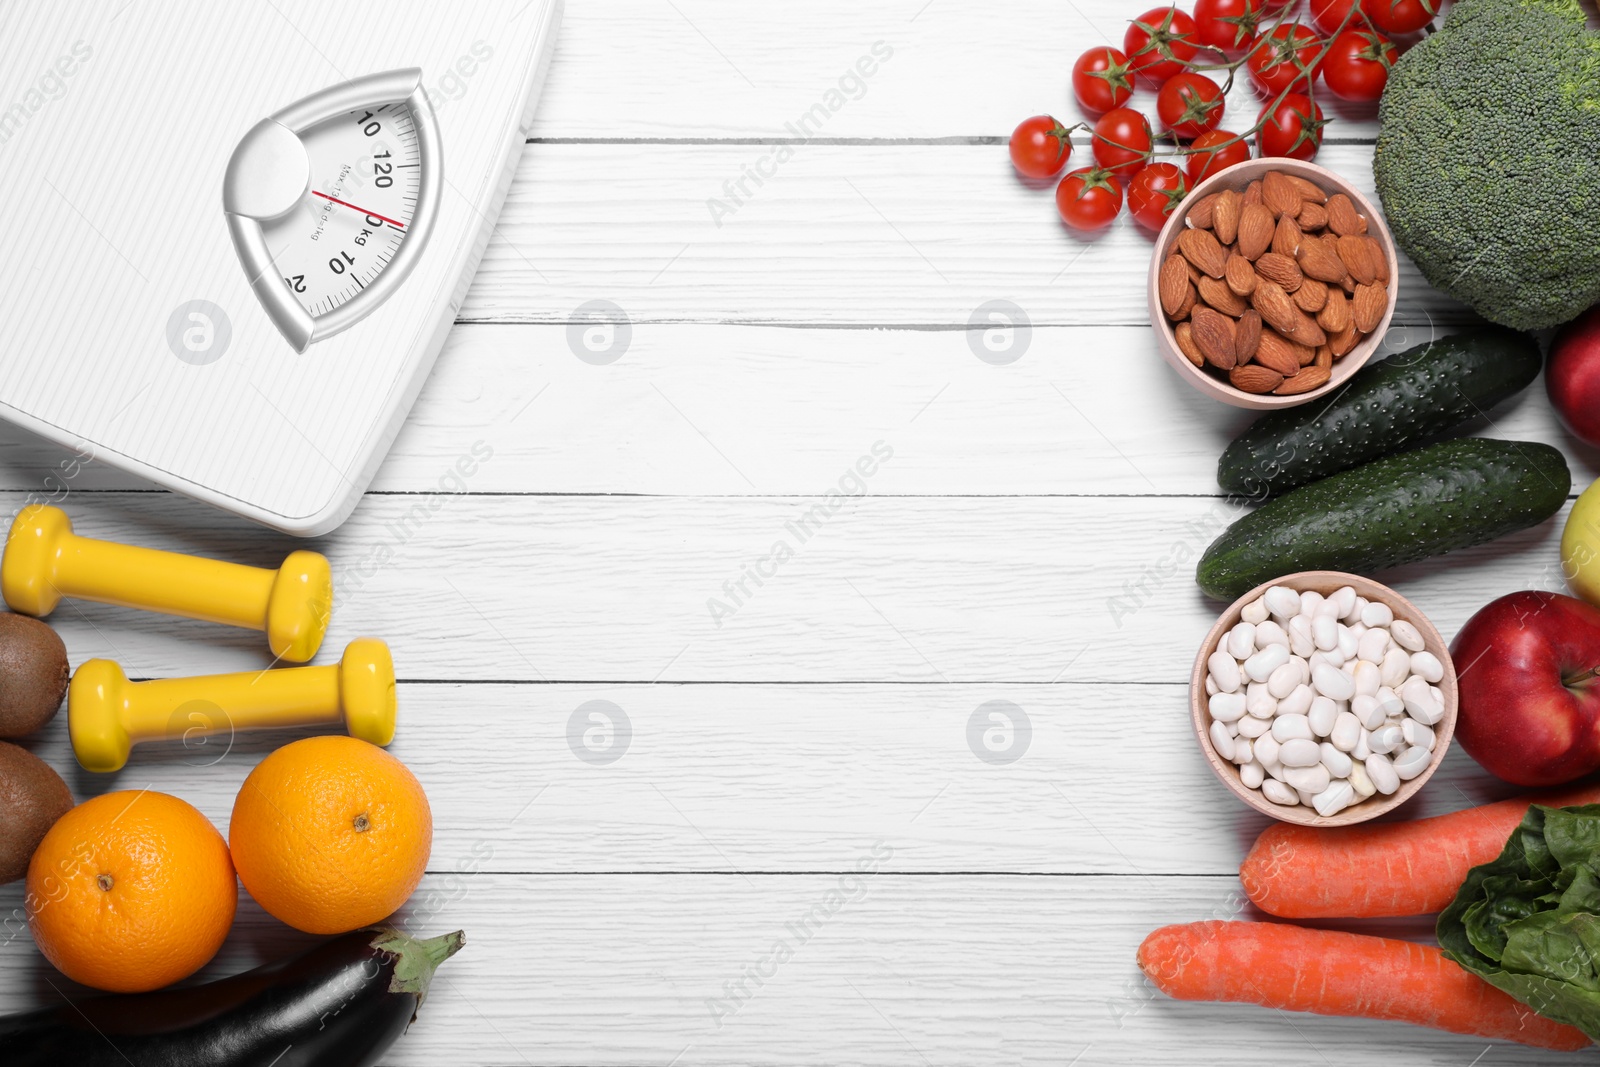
1333,799
1349,643
1305,796
1252,774
1368,677
1265,748
1298,702
1289,727
1372,646
1261,665
1281,682
1279,793
1344,599
1358,628
1282,601
1421,701
1252,727
1396,666
1221,741
1377,614
1232,728
1386,739
1360,782
1332,683
1212,689
1418,734
1321,715
1357,607
1391,702
1313,779
1223,669
1270,633
1242,751
1242,641
1412,762
1274,770
1299,752
1406,636
1310,601
1329,608
1346,732
1382,773
1226,707
1255,612
1363,747
1301,642
1427,665
1338,763
1325,632
1371,713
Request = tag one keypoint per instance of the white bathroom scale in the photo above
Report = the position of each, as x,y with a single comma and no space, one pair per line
238,232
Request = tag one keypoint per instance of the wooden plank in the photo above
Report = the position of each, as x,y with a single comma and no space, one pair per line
956,70
841,234
866,967
640,589
1084,410
1094,778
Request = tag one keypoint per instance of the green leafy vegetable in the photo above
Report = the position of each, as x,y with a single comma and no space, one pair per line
1529,922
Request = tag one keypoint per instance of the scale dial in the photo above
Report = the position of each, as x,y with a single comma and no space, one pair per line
329,201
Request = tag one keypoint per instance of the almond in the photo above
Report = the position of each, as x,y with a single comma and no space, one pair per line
1287,238
1225,216
1368,305
1323,358
1276,309
1255,231
1342,342
1247,336
1279,196
1214,335
1380,259
1357,260
1280,270
1172,284
1311,296
1309,190
1189,300
1306,330
1202,214
1241,275
1343,218
1218,295
1201,248
1252,193
1254,379
1335,314
1319,261
1308,379
1184,333
1312,217
1274,353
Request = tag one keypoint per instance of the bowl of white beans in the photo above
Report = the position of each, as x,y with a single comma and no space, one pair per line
1323,698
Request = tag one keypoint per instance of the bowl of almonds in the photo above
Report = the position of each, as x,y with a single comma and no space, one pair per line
1272,283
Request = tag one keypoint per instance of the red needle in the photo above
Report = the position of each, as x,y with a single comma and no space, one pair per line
364,211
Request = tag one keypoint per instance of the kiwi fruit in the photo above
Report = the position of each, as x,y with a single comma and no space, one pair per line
32,798
33,674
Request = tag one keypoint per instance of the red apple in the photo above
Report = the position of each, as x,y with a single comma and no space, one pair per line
1572,376
1528,665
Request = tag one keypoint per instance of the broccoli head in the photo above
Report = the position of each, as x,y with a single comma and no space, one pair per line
1488,159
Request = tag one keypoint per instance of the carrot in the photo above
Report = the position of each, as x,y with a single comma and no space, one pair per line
1332,973
1398,868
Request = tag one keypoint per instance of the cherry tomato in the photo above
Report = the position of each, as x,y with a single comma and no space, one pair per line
1328,16
1275,7
1283,58
1357,64
1121,141
1293,128
1101,80
1400,16
1214,152
1159,43
1154,193
1039,146
1228,25
1189,104
1088,199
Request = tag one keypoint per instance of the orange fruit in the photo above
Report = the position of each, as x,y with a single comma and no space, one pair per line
131,891
331,834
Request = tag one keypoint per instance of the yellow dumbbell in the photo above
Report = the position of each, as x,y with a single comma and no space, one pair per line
46,561
107,714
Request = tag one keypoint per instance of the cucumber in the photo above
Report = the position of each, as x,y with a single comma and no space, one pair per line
1390,512
1387,407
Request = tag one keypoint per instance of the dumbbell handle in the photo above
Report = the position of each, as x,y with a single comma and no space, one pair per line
299,696
168,582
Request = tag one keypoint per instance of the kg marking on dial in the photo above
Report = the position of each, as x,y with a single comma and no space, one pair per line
329,202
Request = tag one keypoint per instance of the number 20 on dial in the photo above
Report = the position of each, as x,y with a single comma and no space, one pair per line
330,201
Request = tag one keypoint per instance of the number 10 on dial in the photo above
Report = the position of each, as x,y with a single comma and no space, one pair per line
330,200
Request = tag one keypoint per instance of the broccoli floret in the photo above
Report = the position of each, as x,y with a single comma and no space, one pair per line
1488,159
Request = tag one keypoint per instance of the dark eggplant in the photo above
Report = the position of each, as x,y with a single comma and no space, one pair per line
339,1005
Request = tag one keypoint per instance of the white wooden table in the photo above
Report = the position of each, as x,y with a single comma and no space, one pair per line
797,846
